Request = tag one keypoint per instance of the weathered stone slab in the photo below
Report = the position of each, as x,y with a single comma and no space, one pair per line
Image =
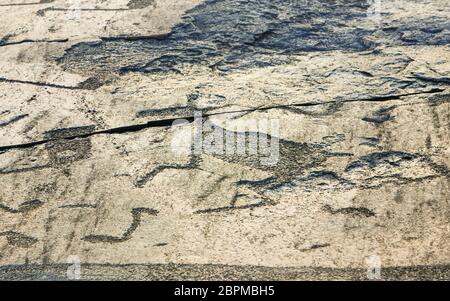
90,164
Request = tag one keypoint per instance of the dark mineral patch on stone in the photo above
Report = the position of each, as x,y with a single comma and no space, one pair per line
380,116
165,111
19,240
353,211
63,152
234,34
137,217
370,141
91,83
139,4
393,158
323,179
24,207
69,132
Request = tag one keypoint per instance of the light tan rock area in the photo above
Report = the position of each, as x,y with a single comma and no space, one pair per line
93,169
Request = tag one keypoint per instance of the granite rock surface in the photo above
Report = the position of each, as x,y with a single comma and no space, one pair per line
89,168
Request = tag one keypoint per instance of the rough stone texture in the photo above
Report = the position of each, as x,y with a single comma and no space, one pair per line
88,93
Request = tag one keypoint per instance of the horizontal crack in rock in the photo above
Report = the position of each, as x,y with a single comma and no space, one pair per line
169,122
